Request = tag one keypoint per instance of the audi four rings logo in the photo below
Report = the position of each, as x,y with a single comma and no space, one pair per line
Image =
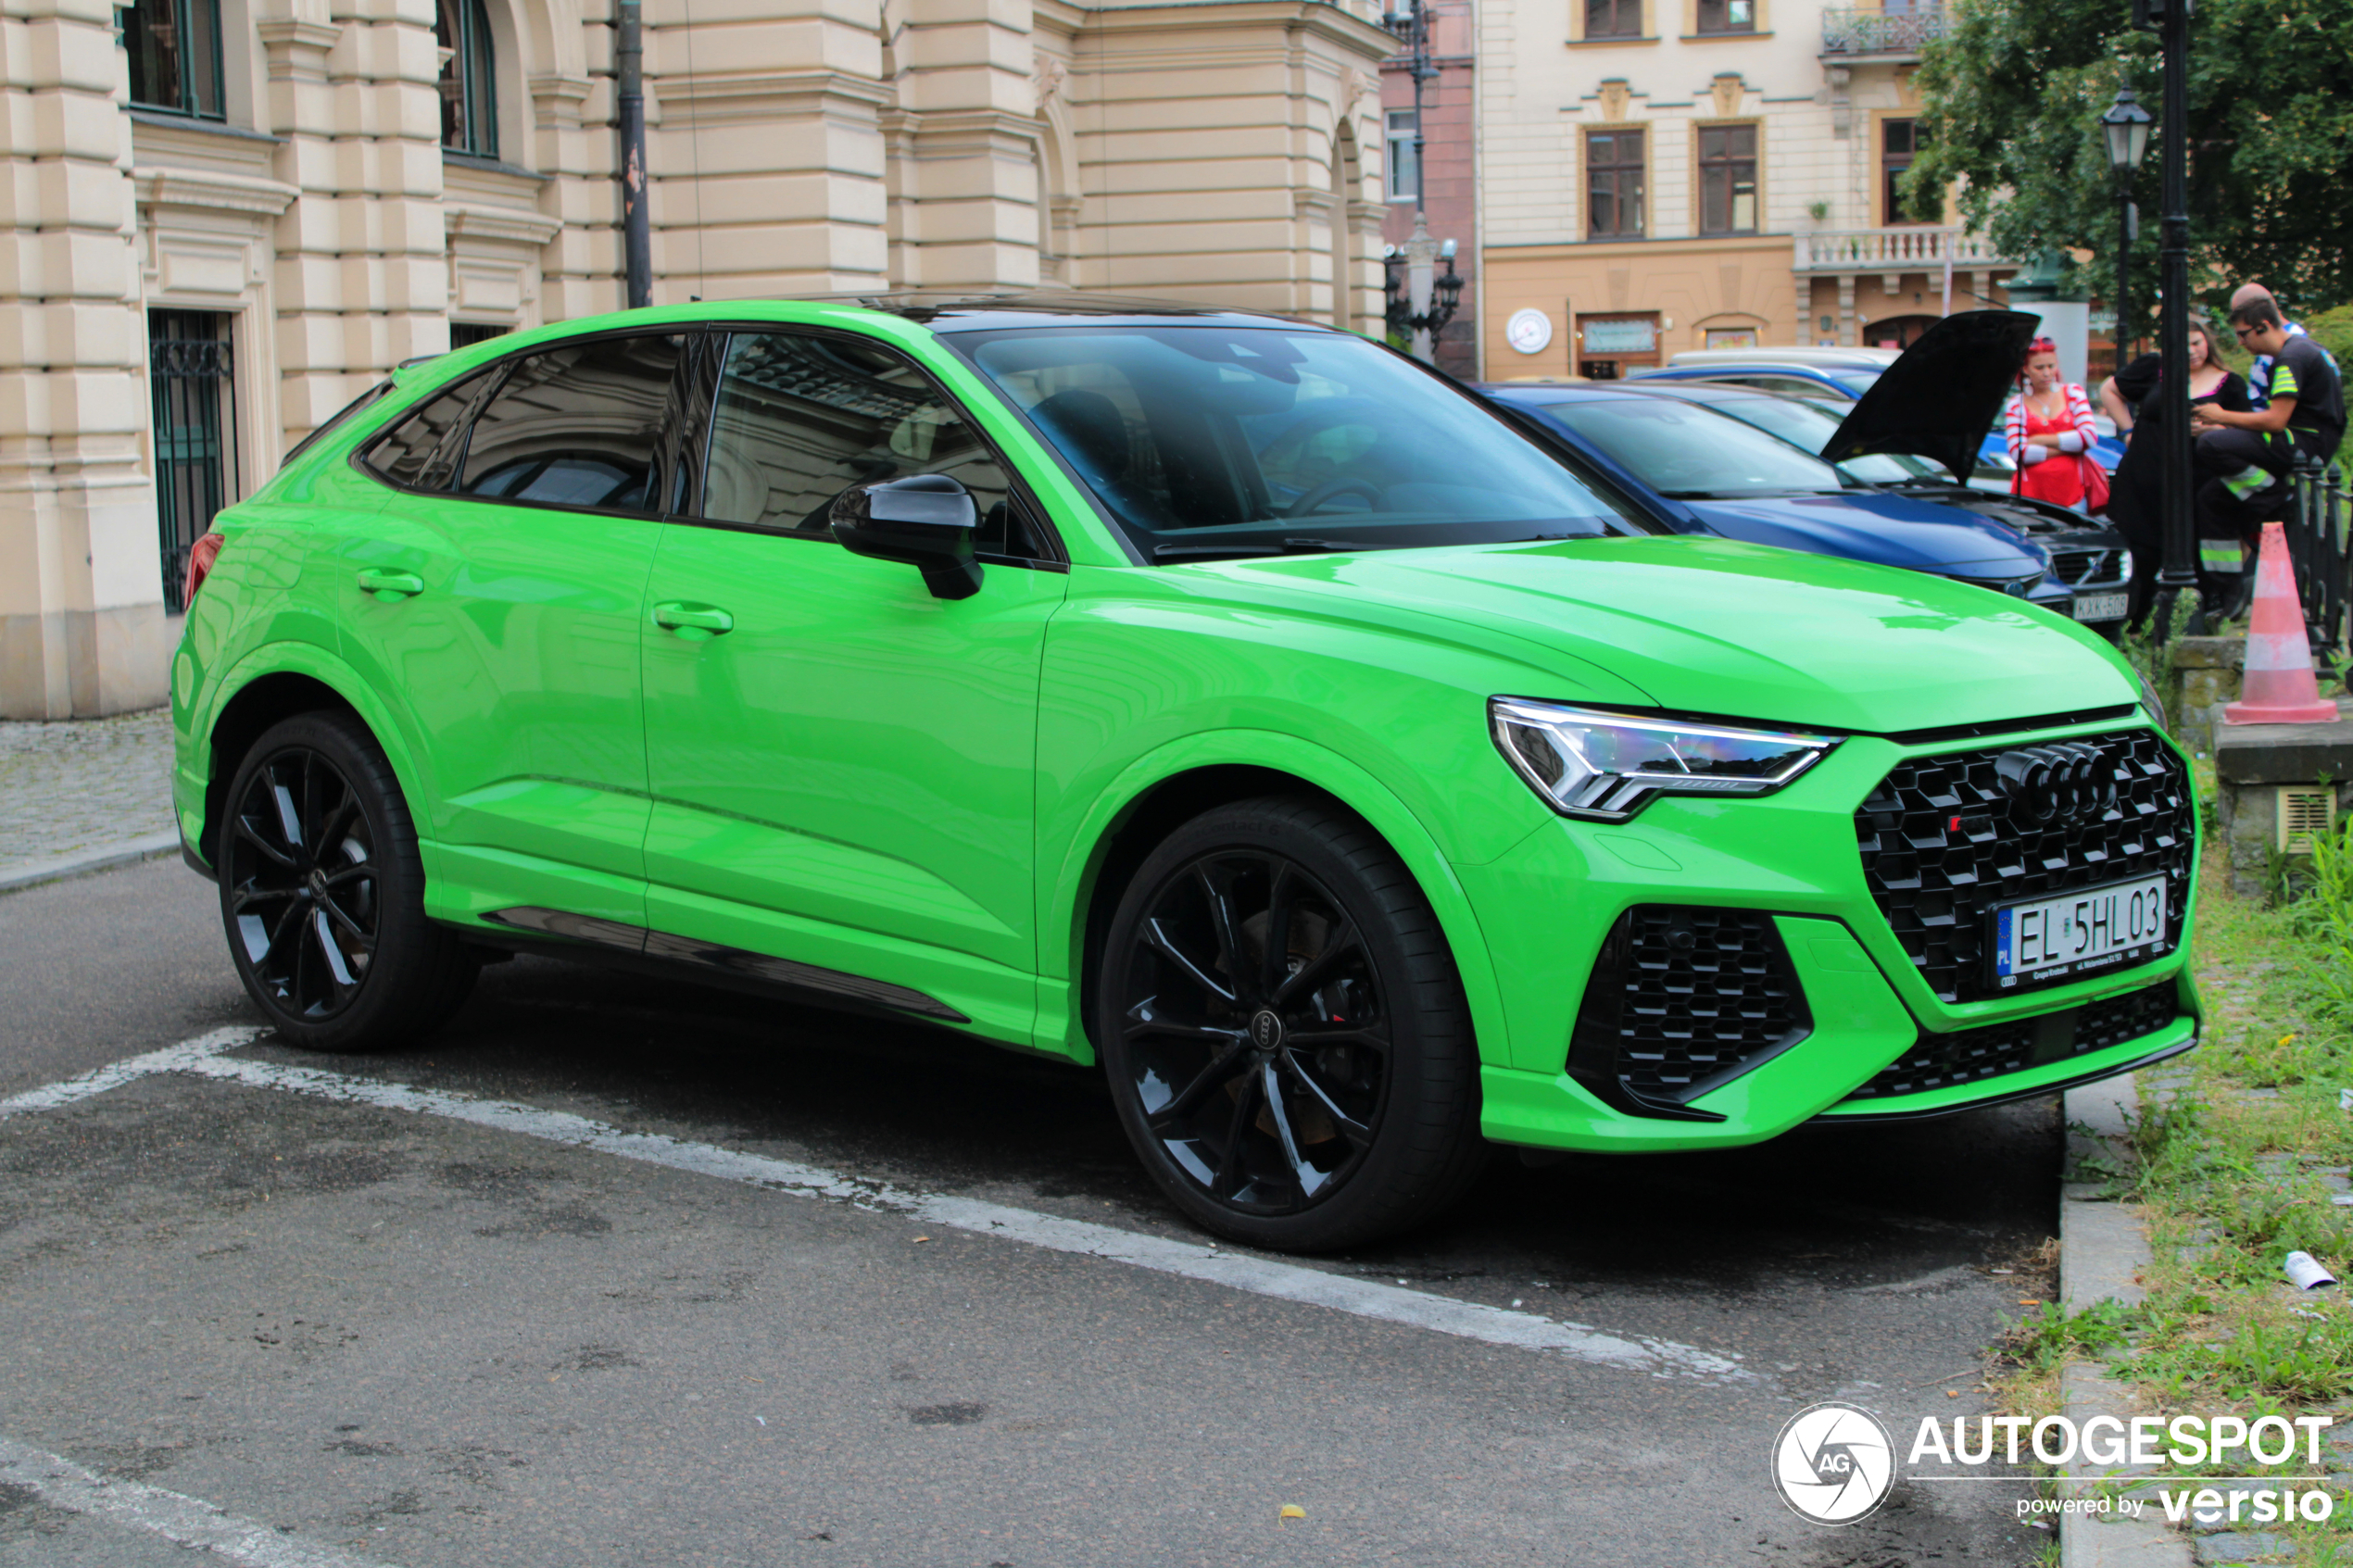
2065,782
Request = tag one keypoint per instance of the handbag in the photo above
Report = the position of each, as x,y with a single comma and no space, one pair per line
2095,487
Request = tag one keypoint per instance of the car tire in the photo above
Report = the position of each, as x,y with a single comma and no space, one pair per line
1284,1031
322,893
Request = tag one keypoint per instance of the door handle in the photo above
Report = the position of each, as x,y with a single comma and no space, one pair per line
693,622
390,586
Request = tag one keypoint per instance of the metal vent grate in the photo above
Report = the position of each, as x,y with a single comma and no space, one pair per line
2306,812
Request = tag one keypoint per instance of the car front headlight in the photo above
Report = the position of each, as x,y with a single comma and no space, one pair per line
1605,767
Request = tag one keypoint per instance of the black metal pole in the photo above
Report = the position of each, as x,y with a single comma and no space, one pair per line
2179,571
1419,37
2124,227
629,103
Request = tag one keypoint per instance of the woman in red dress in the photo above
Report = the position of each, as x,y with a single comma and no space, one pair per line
2050,429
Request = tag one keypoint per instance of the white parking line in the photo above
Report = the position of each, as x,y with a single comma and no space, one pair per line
189,1521
117,1073
1260,1276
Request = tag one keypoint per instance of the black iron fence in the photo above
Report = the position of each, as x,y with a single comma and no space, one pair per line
2317,522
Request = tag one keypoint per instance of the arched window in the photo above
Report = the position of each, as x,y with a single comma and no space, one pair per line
468,102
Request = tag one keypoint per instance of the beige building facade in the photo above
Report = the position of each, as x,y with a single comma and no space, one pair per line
1661,175
228,218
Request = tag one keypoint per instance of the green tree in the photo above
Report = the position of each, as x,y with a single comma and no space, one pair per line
2012,97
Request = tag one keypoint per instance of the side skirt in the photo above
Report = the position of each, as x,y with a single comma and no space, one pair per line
560,935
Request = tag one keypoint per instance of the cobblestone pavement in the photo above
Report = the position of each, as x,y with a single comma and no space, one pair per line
83,785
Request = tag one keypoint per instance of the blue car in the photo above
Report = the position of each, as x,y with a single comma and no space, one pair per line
1701,457
1846,383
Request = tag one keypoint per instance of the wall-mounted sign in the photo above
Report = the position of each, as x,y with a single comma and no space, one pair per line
1638,336
1529,332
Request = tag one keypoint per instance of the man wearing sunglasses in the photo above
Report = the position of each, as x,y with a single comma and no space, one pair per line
2251,453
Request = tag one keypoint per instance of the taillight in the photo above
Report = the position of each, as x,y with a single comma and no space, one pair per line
201,555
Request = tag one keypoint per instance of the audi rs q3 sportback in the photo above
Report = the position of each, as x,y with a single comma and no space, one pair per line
1225,702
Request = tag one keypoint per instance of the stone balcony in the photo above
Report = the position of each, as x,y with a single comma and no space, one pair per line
1904,248
1852,34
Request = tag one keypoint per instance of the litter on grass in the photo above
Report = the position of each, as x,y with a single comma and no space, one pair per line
2305,1273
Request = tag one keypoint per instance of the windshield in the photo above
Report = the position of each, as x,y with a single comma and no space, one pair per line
1809,426
1202,442
1684,450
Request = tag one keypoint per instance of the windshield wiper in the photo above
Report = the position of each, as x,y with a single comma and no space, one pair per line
1738,495
1237,548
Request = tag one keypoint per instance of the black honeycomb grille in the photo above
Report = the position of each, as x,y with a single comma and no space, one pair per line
1940,850
1683,998
1969,1056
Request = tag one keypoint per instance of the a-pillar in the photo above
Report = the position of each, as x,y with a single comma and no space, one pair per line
81,624
363,278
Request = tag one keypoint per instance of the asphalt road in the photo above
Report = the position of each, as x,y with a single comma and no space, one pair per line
401,1336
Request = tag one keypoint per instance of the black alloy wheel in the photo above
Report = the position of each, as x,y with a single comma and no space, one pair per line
322,893
305,888
1285,1036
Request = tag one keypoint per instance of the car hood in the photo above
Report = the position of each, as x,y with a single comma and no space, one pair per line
1714,626
1939,398
1892,530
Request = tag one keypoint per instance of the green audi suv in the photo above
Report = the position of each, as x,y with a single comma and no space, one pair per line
1223,701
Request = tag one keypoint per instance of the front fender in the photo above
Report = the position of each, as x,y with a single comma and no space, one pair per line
1071,883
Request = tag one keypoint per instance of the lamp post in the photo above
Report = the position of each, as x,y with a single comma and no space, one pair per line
2170,20
1421,301
2126,126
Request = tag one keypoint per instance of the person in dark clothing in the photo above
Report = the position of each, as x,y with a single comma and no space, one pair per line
2249,453
2135,503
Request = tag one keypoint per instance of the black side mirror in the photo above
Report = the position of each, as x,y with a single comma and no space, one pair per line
926,521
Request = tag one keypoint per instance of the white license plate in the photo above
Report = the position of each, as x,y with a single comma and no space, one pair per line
2095,928
2102,606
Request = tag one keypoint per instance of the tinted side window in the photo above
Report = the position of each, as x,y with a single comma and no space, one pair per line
422,450
801,419
576,426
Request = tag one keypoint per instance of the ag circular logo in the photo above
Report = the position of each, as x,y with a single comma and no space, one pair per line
1833,1463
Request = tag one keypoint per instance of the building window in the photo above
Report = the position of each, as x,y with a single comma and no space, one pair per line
468,102
465,334
1405,172
1613,19
1614,184
1898,140
175,55
1728,16
1728,179
194,393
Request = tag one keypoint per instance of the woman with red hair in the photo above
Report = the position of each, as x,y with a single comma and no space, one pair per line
2051,434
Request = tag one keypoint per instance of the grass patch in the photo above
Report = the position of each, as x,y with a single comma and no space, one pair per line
2237,1151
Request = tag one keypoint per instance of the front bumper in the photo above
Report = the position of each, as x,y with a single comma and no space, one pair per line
1547,907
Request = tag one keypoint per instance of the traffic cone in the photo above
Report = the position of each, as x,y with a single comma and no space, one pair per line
2280,687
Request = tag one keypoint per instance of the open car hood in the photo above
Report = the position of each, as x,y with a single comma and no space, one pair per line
1938,400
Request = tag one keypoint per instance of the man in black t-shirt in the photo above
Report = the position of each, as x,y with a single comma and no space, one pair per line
2251,453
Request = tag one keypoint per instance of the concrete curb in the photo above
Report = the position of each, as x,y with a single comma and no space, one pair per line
32,874
2103,1248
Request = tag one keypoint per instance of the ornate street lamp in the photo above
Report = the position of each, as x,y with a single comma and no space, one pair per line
2126,126
1421,299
